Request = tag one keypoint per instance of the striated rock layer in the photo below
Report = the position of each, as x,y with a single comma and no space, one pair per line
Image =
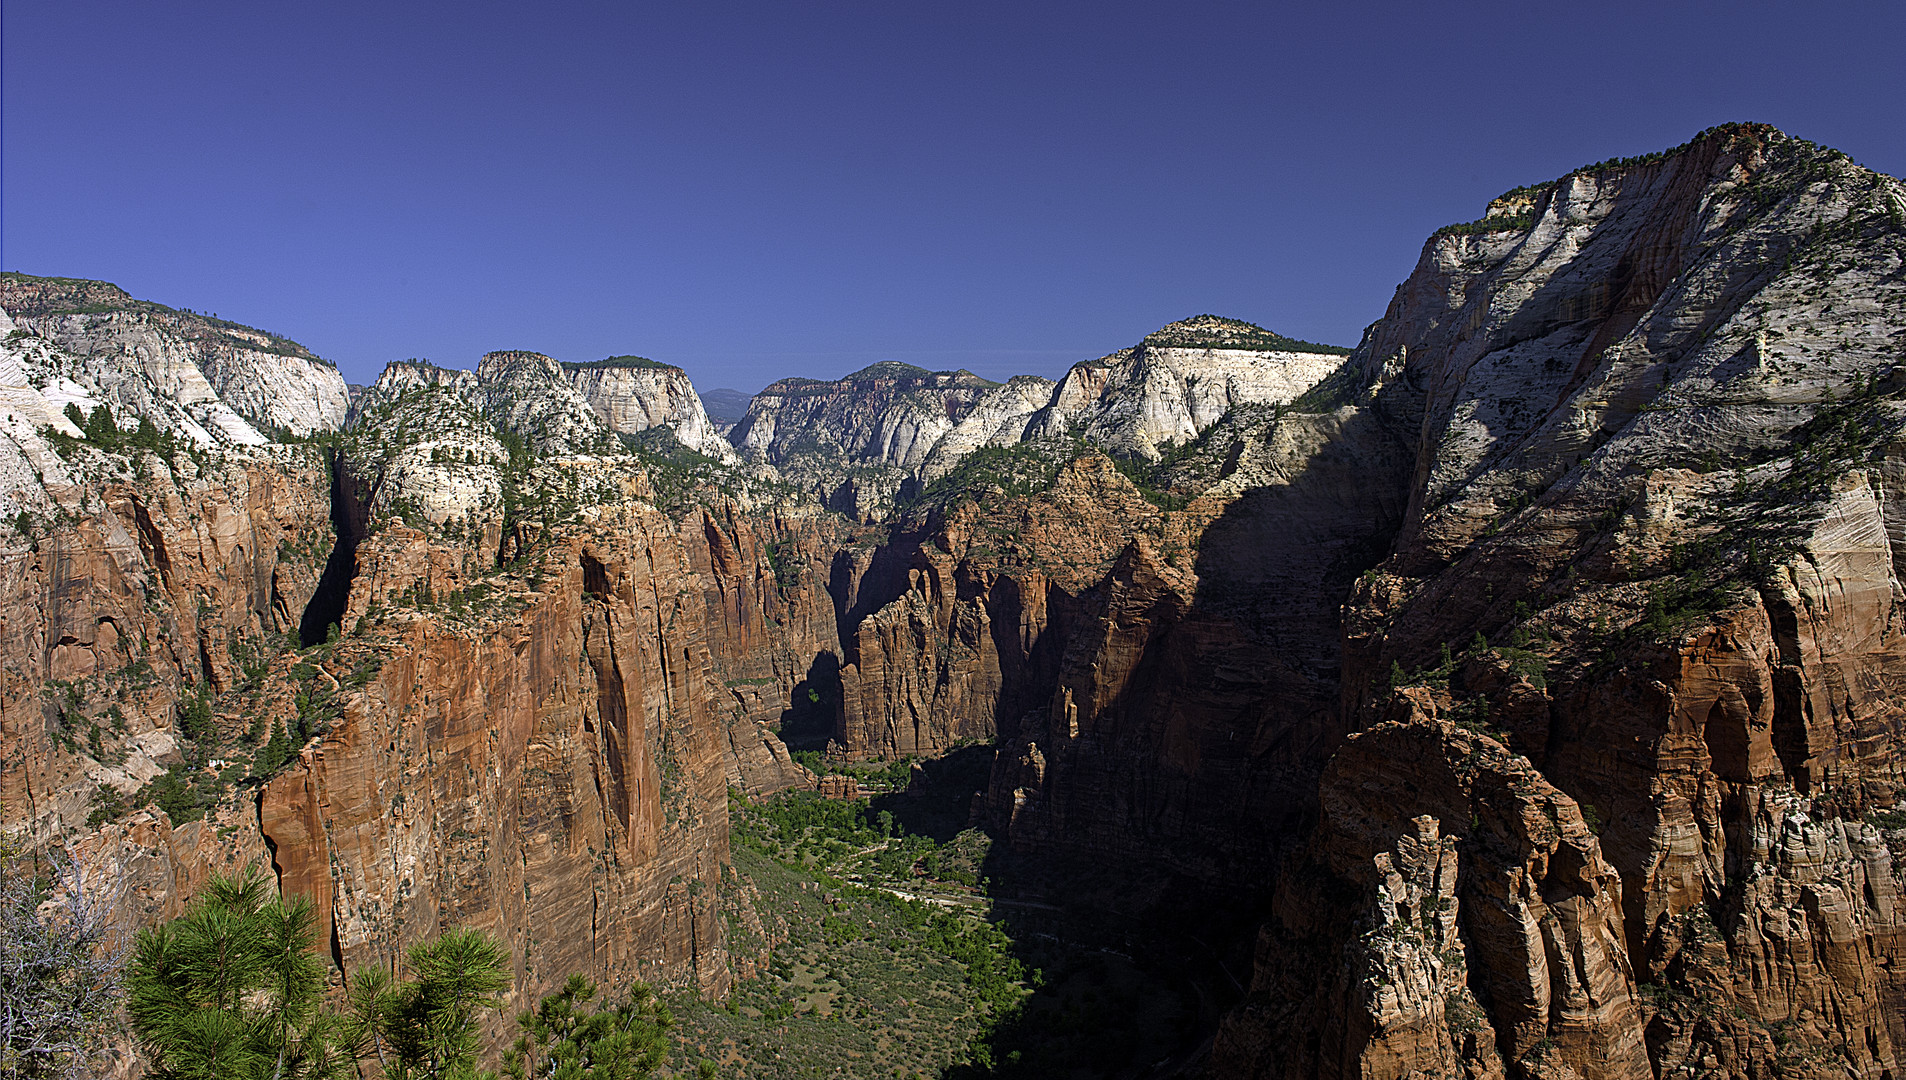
1644,606
276,385
1529,679
550,769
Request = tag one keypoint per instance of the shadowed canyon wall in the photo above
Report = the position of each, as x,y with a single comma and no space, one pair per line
1528,680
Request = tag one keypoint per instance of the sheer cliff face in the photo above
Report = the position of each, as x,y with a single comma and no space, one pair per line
542,762
517,723
218,370
632,395
162,585
538,752
773,632
854,442
1659,413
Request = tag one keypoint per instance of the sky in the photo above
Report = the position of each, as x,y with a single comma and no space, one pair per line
756,190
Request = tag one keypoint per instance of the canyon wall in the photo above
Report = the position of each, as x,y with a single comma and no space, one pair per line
1633,659
1527,679
493,676
278,386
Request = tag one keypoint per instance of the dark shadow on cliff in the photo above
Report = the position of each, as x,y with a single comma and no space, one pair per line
938,798
808,721
1150,830
882,582
328,603
1116,994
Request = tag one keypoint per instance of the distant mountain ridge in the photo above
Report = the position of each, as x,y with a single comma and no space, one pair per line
1518,697
725,405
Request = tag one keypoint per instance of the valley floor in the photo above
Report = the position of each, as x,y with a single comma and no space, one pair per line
867,949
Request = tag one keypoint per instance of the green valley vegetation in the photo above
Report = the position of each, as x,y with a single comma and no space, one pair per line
870,940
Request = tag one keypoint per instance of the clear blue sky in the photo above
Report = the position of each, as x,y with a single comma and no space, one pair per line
758,190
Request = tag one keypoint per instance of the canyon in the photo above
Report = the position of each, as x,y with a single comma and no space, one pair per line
1512,695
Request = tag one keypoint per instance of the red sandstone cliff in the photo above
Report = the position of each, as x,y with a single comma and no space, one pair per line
1534,677
1650,525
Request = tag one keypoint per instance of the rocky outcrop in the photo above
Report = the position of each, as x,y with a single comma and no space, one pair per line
854,441
1003,416
218,371
631,394
1646,539
421,446
958,627
1179,381
884,414
529,394
544,763
1495,892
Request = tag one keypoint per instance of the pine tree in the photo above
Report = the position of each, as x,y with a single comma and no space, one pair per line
427,1029
560,1038
231,991
277,749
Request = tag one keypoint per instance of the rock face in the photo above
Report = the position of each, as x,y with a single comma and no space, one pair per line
773,633
1533,669
1003,416
631,394
856,440
1656,408
1526,682
542,760
1179,381
211,367
1198,692
515,724
143,569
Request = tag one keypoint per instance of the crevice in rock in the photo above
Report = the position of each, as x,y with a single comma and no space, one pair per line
271,846
1790,734
595,578
612,702
333,594
154,543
